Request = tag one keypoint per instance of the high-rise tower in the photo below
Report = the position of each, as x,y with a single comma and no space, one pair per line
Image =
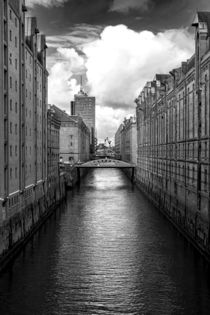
84,106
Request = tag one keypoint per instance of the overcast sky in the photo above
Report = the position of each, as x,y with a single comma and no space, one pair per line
117,45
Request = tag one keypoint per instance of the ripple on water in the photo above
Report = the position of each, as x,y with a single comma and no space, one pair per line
107,252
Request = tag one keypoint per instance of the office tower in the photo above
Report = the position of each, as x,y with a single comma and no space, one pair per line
84,106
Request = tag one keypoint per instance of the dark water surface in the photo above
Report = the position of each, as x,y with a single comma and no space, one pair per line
108,251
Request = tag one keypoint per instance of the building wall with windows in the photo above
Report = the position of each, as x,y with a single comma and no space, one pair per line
23,116
173,134
84,106
74,138
128,136
53,146
117,140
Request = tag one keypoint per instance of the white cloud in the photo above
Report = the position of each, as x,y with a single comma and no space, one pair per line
62,84
108,120
118,64
122,60
125,5
45,3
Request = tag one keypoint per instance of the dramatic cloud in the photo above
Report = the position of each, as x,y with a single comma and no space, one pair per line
62,82
45,3
78,35
125,5
117,66
121,61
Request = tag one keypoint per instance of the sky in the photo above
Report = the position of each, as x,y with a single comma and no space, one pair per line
116,46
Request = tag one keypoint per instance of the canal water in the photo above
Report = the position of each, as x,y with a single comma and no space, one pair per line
106,251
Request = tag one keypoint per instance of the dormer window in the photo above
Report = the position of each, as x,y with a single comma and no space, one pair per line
202,27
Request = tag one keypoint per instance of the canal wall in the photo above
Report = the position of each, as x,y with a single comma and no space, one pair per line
179,204
31,213
72,177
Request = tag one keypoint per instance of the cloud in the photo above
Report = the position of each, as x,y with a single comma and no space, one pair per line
78,35
108,120
117,66
125,5
45,3
122,60
62,83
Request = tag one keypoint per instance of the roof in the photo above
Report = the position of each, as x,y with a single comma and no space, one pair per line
203,16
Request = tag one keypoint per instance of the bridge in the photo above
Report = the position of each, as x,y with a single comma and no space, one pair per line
106,163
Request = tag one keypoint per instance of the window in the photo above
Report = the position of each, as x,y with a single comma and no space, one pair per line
16,64
16,86
10,59
10,127
15,41
10,104
10,150
10,14
10,173
16,107
16,150
10,35
10,82
16,129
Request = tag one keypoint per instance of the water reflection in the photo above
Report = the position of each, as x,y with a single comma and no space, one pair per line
107,252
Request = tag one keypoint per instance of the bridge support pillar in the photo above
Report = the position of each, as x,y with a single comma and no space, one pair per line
78,174
132,176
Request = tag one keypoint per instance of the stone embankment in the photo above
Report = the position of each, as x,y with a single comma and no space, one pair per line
31,213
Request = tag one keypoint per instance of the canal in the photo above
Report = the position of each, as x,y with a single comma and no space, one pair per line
106,251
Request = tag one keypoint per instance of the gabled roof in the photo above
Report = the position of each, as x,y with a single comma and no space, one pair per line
203,16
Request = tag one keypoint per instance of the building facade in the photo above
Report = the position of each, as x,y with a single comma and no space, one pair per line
74,138
173,134
23,113
53,147
84,106
117,140
126,140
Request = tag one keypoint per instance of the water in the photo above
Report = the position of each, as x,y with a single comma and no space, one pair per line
108,251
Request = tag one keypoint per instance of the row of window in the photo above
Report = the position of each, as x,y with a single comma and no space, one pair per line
10,38
10,61
13,172
11,17
11,106
10,83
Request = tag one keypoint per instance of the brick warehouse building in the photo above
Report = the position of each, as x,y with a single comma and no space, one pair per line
173,135
23,110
